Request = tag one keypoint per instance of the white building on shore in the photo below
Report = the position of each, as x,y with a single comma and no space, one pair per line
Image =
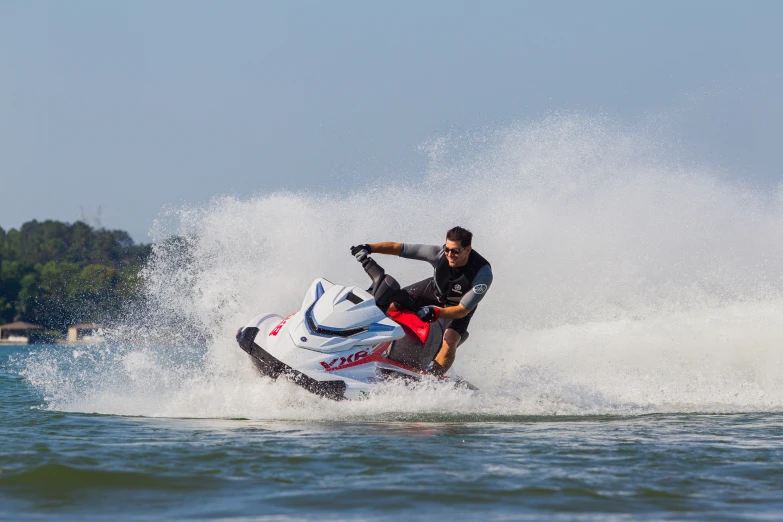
85,333
17,332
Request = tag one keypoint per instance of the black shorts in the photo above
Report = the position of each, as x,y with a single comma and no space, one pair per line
423,293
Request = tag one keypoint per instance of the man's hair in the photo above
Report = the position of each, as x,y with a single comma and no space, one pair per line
463,235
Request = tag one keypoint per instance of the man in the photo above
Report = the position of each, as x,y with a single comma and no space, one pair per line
462,278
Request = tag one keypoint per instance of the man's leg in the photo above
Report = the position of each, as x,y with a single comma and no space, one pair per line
455,330
421,293
448,350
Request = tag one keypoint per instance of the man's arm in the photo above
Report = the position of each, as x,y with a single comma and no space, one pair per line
481,284
454,312
429,253
431,313
386,247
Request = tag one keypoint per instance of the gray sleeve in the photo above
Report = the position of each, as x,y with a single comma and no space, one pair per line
481,284
428,253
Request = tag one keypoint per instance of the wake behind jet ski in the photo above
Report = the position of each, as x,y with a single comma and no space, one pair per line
342,343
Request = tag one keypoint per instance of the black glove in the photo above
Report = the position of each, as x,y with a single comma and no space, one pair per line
428,314
361,251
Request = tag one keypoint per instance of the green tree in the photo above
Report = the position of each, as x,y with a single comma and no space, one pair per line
10,285
54,273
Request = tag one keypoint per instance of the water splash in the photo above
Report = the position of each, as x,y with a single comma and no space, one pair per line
625,282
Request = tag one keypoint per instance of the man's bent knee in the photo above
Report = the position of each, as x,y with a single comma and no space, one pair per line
448,350
452,338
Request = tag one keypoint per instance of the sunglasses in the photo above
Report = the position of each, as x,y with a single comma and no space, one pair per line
456,251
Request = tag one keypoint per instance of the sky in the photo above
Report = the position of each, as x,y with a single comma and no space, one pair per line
132,106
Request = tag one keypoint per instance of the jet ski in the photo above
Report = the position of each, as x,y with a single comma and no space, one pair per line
344,342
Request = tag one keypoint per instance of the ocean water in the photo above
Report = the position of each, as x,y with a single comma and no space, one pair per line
628,354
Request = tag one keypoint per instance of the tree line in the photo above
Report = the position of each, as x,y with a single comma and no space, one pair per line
57,274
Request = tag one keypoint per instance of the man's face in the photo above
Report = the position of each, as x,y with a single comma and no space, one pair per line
456,254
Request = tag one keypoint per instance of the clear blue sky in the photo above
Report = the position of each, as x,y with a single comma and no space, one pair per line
135,105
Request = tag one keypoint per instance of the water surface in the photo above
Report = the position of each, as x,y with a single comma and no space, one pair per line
383,466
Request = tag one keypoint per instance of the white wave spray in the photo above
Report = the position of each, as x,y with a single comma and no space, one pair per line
624,283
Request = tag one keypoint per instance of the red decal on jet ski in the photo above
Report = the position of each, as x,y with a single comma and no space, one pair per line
276,329
411,323
329,365
345,362
359,358
379,348
377,356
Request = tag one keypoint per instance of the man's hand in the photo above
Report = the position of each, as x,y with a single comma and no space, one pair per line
361,252
428,314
